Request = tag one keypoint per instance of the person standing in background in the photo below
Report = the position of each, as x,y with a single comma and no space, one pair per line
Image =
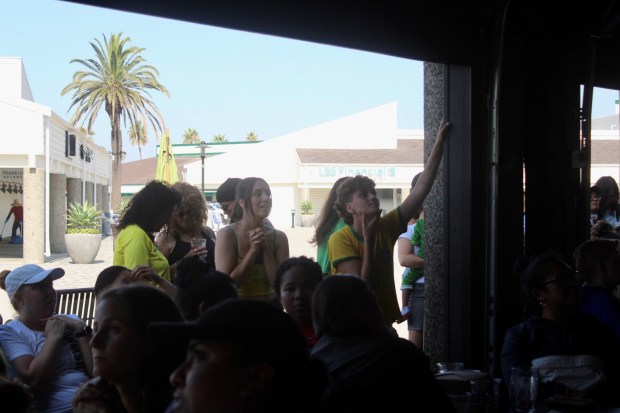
248,250
328,223
410,247
18,212
226,196
147,213
609,208
365,245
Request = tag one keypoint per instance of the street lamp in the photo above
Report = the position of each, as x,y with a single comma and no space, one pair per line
203,153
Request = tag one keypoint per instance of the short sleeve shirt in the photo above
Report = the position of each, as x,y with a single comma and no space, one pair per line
346,244
17,340
134,247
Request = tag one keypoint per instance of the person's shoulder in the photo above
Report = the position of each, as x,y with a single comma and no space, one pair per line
342,233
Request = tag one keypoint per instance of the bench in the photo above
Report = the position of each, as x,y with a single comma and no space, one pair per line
78,301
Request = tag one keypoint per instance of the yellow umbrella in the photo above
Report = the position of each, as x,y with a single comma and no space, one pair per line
166,165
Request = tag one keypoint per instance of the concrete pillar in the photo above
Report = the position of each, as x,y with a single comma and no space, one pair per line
34,215
90,192
434,217
99,193
58,212
74,190
105,198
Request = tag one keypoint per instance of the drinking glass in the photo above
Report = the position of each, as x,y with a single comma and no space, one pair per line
523,388
198,243
446,366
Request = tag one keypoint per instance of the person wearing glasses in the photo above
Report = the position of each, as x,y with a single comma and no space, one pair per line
558,334
188,223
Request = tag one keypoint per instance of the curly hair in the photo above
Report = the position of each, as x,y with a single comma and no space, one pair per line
151,207
311,269
345,194
328,216
192,204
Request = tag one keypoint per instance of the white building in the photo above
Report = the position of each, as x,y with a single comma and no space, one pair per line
303,165
51,162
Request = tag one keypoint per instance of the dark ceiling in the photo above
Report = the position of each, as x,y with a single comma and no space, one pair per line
441,31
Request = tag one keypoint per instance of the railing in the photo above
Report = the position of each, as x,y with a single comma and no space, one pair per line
78,301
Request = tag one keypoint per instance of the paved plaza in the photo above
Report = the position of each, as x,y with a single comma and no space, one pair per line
84,275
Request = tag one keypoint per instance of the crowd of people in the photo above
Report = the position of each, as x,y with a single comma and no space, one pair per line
237,324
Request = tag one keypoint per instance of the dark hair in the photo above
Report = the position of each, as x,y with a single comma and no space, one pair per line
144,304
257,332
328,216
244,191
608,184
199,285
413,182
592,253
595,189
312,270
345,193
151,207
343,306
603,229
107,277
228,190
533,272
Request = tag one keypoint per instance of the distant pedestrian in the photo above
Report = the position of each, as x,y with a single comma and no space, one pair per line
18,212
226,196
328,223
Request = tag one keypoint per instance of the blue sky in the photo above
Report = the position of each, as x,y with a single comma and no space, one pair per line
220,81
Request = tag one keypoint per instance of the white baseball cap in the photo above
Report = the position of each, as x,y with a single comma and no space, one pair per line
29,274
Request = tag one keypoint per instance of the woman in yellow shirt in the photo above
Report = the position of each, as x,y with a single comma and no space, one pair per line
146,214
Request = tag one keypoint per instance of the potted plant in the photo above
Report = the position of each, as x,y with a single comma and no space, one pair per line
83,237
307,217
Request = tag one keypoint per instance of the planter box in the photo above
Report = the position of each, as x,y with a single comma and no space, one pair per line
307,220
83,248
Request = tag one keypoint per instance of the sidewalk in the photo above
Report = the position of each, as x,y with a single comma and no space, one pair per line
84,275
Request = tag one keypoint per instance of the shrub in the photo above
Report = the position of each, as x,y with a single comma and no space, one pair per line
306,207
83,218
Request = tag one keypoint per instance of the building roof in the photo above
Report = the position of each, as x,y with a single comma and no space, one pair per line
408,151
611,122
605,152
142,171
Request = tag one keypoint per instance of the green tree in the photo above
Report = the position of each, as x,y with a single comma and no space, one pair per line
251,137
119,80
191,136
219,138
137,136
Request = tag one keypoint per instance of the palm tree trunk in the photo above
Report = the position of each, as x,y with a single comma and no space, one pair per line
117,150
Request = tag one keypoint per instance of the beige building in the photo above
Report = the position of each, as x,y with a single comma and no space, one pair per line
46,163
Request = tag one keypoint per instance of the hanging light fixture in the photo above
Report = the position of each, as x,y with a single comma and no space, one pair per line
21,189
3,188
10,189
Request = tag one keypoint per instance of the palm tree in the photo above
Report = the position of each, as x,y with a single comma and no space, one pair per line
220,138
191,136
137,136
119,80
251,137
